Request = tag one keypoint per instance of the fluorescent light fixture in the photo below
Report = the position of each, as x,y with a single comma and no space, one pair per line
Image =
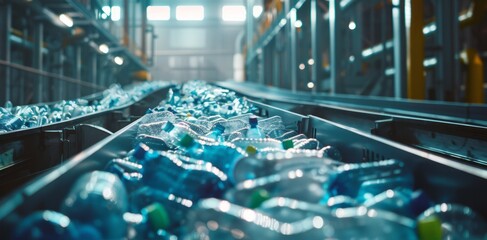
352,25
66,20
311,85
298,24
257,11
190,13
234,13
106,9
302,66
158,13
103,48
116,13
118,60
311,61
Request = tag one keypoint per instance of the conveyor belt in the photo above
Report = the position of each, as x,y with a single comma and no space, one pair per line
33,150
449,136
444,180
475,114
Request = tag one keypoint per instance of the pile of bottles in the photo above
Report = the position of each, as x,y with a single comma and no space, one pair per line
22,117
205,166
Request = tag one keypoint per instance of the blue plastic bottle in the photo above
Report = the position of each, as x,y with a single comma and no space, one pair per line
349,177
221,155
99,200
46,225
217,133
254,131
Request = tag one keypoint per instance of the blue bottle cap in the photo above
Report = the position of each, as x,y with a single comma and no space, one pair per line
140,151
253,120
169,126
219,127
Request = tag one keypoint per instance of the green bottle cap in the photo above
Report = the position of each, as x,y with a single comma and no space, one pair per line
258,197
157,216
287,144
251,150
429,228
186,141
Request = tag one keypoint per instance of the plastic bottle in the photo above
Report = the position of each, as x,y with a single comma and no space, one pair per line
9,122
217,219
46,225
254,131
221,155
263,143
98,199
173,208
264,165
349,177
451,221
217,133
169,173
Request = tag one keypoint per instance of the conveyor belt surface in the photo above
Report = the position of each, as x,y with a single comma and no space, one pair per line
443,179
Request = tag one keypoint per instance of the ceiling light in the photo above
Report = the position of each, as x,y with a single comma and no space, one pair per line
118,60
104,48
66,20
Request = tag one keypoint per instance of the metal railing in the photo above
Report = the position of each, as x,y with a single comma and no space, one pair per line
24,85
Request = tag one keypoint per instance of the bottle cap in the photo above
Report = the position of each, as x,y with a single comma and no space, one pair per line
253,120
429,228
258,197
287,144
169,126
186,141
140,151
251,150
157,216
219,127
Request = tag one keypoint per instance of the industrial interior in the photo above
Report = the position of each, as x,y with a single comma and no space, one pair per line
243,119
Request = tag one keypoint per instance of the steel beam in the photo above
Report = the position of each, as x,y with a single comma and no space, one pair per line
315,50
399,35
38,62
293,49
415,56
250,35
77,68
5,27
448,67
335,47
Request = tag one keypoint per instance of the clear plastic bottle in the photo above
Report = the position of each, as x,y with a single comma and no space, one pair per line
451,221
217,219
98,199
259,166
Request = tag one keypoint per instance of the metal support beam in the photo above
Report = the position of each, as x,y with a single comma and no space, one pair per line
250,35
38,62
94,68
125,16
77,68
335,47
5,27
415,55
143,31
448,38
315,47
293,50
61,94
399,35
